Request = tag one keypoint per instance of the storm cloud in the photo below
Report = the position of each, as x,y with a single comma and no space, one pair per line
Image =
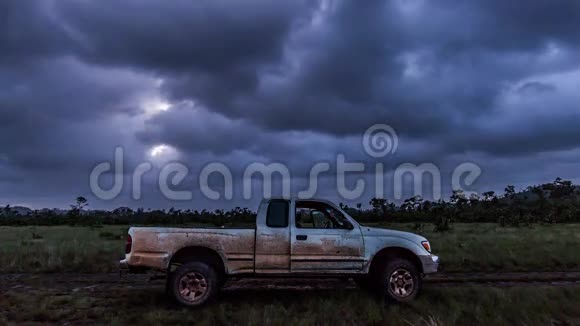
297,82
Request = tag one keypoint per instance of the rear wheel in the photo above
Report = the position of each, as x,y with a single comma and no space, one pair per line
400,280
193,284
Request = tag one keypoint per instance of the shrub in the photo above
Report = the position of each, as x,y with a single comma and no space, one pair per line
442,224
109,235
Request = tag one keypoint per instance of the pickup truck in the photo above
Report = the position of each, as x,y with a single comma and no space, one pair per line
291,237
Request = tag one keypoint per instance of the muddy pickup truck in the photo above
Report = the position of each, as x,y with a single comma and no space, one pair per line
291,237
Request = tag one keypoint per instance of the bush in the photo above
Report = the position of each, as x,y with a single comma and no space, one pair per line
442,224
110,235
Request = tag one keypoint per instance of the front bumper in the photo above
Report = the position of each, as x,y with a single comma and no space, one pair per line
430,264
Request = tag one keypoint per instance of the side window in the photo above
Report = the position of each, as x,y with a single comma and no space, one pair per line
320,220
277,216
316,215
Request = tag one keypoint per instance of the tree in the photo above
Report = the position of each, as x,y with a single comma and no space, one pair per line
379,204
489,195
458,198
80,203
7,211
509,192
474,201
561,189
412,203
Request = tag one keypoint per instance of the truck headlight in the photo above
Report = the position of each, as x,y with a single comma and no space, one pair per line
426,245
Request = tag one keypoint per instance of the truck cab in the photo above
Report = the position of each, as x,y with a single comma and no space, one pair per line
307,236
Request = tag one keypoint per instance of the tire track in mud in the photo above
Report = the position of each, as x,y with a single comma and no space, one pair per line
72,282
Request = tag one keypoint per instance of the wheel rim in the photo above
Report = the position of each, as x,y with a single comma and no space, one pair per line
192,286
401,283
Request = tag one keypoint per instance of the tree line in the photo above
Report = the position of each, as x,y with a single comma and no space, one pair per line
556,202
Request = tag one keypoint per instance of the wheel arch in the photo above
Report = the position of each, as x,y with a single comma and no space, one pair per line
389,253
201,254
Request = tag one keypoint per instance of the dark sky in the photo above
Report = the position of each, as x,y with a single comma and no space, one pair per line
493,82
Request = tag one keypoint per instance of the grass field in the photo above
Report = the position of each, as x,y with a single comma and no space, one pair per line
489,247
436,306
468,247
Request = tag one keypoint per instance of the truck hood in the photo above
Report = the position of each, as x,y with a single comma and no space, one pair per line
378,232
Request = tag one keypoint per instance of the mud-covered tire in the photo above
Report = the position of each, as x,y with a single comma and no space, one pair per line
193,284
400,281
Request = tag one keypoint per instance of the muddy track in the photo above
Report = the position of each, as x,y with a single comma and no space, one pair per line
72,282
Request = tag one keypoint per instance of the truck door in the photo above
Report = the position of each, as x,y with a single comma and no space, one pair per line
273,237
324,240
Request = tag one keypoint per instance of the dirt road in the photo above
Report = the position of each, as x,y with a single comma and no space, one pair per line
69,282
475,298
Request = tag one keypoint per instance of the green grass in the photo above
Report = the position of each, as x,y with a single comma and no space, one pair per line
61,248
468,247
489,247
436,306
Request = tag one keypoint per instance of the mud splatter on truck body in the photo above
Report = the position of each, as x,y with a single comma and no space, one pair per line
291,237
288,246
156,246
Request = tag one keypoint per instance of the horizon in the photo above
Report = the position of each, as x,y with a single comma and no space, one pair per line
364,203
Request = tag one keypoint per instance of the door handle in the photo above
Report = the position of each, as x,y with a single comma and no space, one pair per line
301,237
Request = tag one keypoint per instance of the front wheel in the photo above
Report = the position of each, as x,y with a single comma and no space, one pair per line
400,280
193,284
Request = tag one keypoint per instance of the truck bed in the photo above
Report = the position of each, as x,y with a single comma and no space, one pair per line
154,246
